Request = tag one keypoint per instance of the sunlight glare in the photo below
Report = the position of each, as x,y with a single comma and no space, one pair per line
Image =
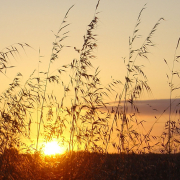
53,148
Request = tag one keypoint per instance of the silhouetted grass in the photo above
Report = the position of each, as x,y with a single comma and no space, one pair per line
81,110
89,166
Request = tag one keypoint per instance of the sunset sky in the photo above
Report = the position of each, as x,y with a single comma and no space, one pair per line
33,21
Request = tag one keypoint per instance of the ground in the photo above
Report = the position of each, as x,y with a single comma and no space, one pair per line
89,166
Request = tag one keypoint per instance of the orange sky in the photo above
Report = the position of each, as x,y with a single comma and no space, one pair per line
33,21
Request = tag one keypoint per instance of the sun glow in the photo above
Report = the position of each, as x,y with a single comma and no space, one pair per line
53,148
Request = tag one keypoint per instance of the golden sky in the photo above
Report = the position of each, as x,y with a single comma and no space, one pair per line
33,21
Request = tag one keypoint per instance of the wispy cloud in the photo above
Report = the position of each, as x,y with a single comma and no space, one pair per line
152,107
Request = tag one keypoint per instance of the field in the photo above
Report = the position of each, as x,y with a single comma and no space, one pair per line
84,165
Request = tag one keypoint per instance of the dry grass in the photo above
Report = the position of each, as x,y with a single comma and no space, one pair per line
81,111
89,166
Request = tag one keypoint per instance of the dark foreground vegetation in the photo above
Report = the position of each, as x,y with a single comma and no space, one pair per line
84,165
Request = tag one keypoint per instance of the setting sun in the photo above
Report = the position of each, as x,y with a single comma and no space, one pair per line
52,148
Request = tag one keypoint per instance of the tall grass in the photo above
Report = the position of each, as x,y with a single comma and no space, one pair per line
15,104
84,113
82,119
57,48
172,126
135,83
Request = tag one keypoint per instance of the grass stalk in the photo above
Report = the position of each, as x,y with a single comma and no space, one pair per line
54,54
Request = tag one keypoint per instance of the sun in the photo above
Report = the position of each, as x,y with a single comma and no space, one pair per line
53,148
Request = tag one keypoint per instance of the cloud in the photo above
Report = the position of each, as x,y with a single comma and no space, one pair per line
151,107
